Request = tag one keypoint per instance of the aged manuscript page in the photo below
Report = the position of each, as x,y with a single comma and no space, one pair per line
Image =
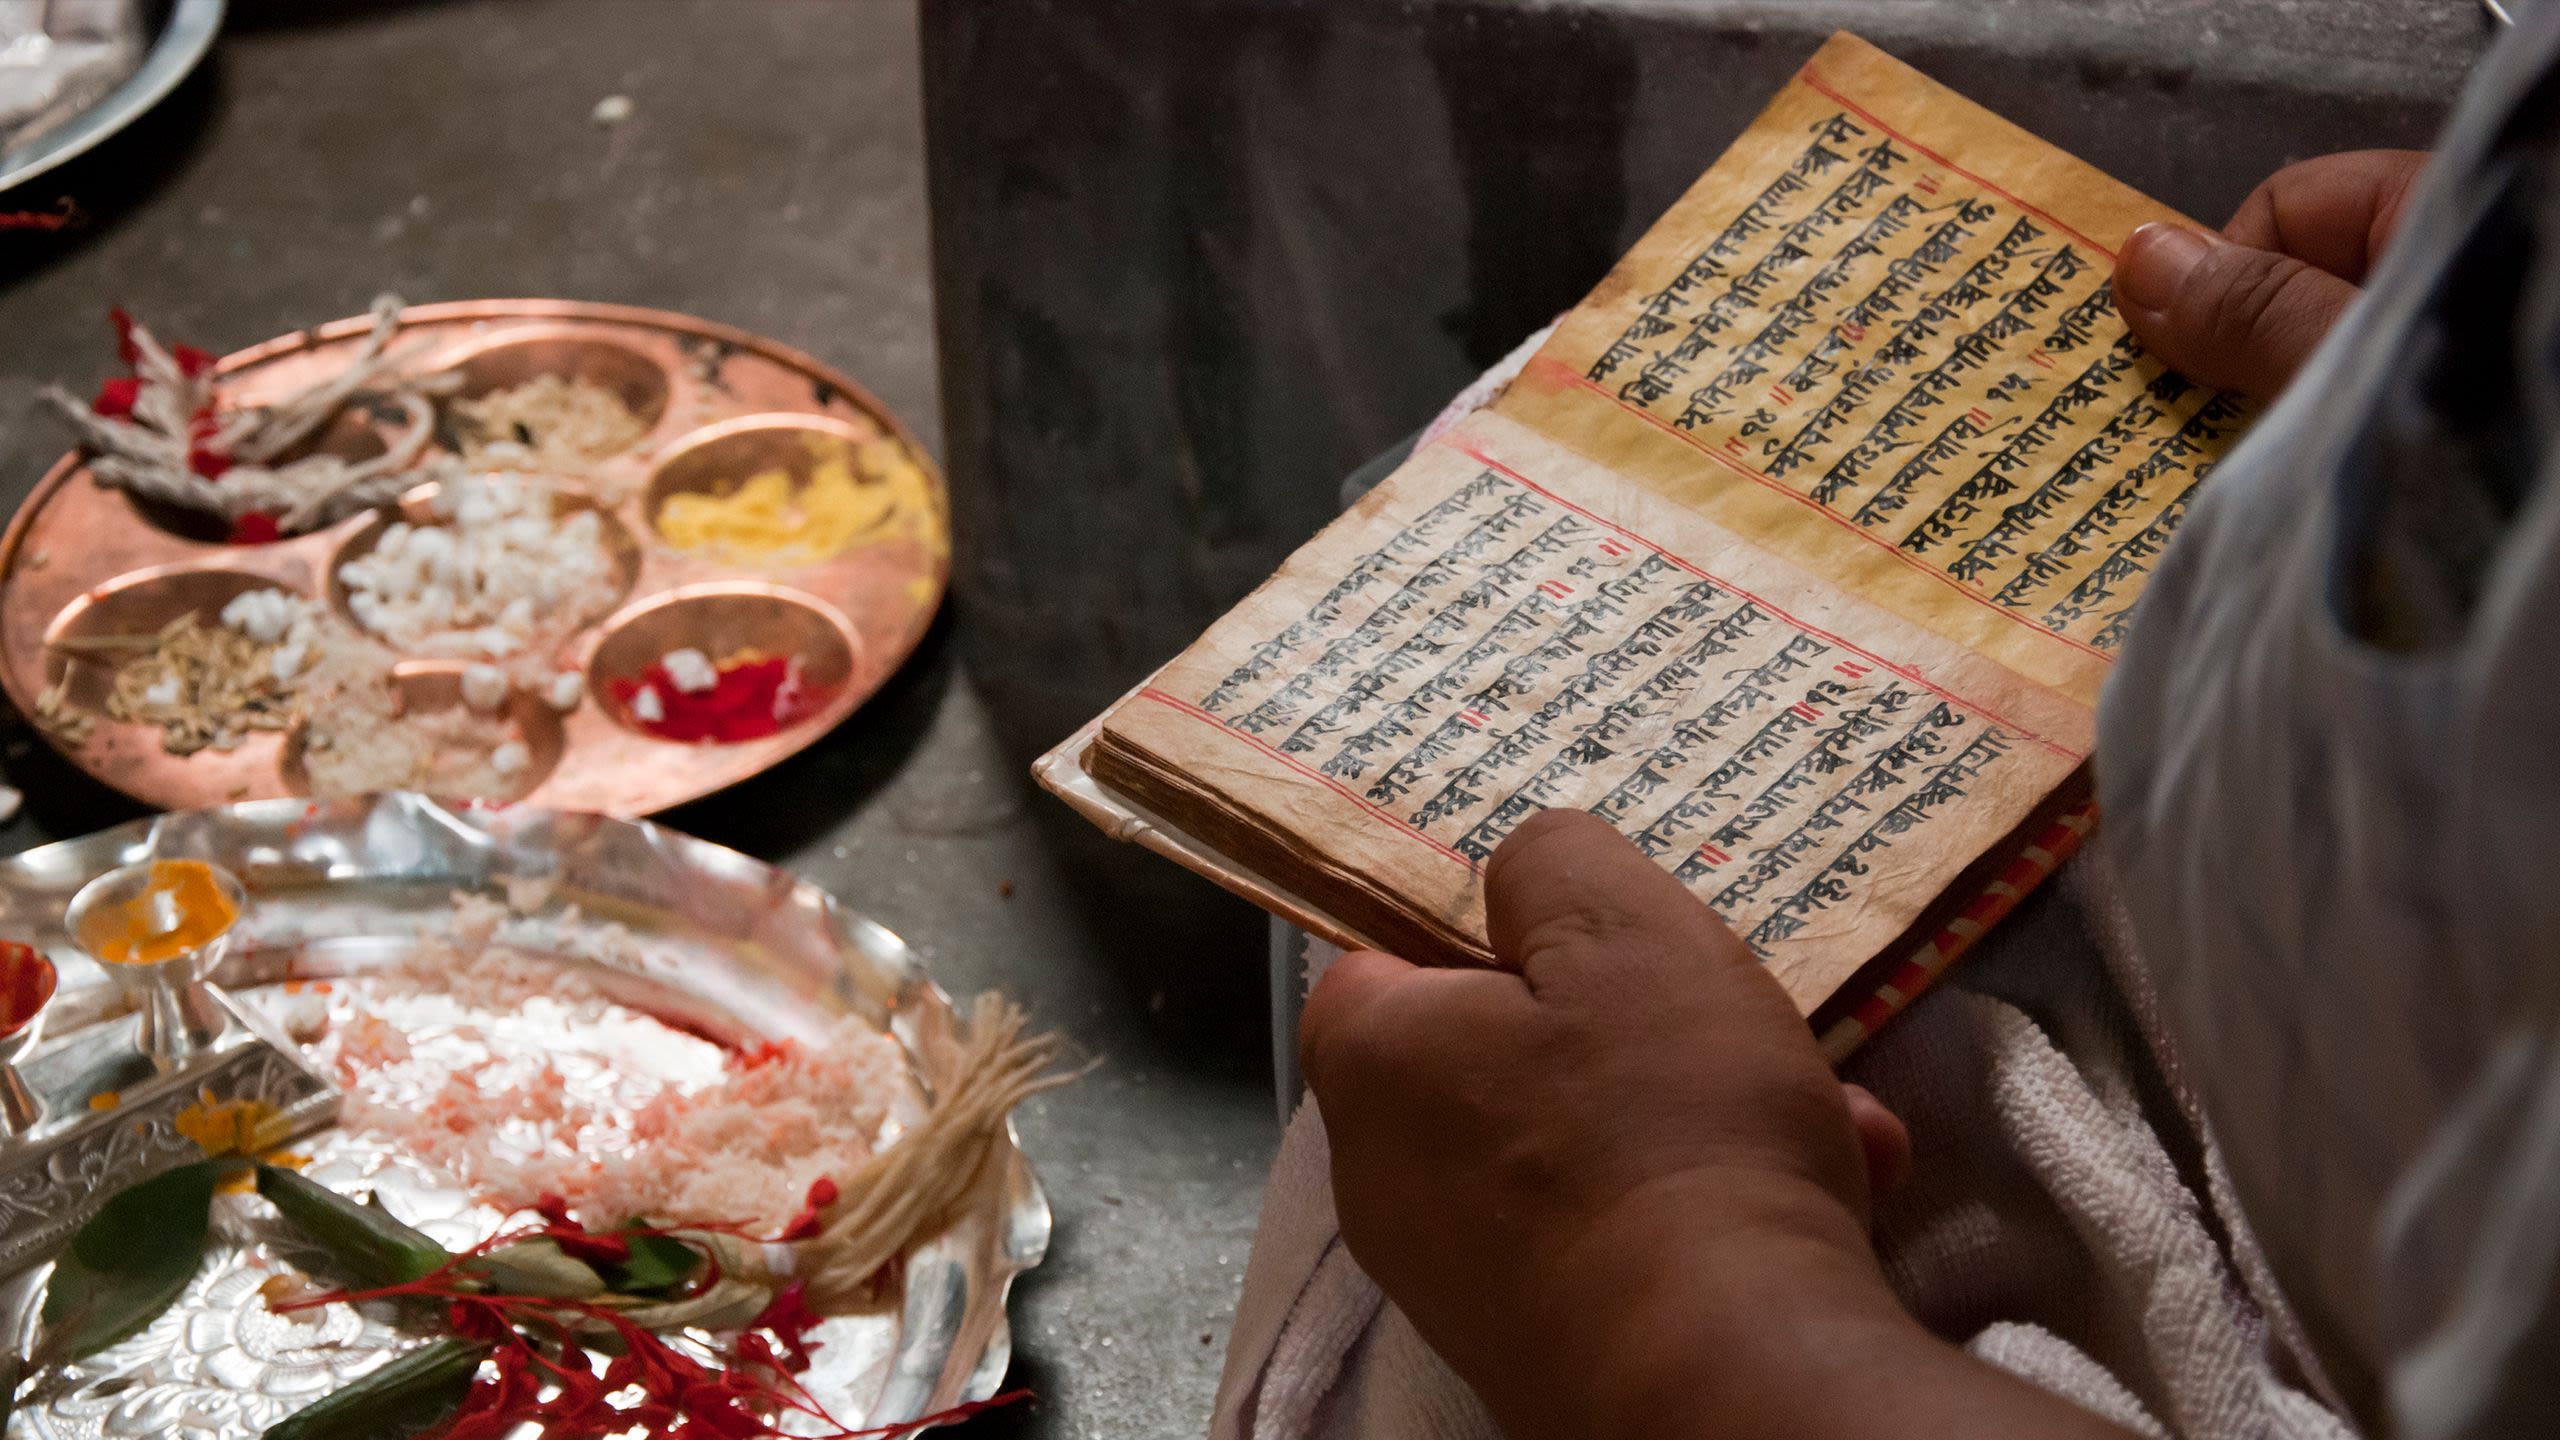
1878,337
1796,554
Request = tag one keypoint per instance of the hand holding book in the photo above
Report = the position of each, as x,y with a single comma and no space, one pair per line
1627,1140
1612,1182
2243,310
1797,554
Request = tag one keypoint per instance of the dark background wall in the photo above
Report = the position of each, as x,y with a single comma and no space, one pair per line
1196,259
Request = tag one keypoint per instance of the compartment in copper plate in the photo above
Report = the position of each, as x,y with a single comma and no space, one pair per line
426,697
638,381
418,509
120,621
724,623
354,435
70,537
718,459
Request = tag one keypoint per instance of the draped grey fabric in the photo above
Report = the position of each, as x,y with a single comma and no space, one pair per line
2326,763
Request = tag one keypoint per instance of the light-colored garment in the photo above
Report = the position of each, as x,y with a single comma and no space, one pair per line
2063,1223
2334,804
2328,771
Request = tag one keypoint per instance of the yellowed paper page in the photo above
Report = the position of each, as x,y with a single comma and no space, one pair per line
1877,337
1506,626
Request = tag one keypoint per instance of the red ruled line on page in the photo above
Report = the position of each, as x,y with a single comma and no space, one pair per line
1813,77
2059,842
1906,672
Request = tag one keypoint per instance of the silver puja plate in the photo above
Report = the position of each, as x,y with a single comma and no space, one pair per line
56,1174
723,948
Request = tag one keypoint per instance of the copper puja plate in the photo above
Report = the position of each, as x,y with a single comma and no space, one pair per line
724,947
80,559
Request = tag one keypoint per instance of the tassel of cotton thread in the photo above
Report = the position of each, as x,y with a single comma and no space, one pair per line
148,455
902,1194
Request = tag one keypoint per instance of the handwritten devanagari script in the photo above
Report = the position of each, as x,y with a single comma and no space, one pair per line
1797,554
1841,310
1492,647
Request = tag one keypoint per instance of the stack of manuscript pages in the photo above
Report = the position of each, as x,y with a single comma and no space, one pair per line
1798,554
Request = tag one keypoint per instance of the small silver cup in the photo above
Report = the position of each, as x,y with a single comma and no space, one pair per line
180,1016
27,981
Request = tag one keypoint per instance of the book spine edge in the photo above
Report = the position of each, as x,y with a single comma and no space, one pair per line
2034,864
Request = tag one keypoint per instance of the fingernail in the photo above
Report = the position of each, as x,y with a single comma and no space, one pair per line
2156,264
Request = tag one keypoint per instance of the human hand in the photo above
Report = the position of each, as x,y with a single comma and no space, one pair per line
2242,310
1561,1157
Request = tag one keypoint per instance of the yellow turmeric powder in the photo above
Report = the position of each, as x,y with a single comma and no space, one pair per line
183,908
769,520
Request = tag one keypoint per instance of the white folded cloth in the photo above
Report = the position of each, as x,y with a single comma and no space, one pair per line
2065,1222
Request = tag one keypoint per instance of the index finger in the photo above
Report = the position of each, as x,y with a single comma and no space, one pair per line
1368,1001
2333,212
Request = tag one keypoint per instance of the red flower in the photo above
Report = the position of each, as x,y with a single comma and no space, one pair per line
650,1387
575,1240
594,1249
255,528
789,1320
126,350
477,1320
208,463
116,397
191,361
804,1226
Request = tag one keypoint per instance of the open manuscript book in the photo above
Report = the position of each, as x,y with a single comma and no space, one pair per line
1798,554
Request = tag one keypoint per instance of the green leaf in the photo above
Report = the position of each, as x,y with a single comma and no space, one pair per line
368,1240
129,1263
537,1268
418,1387
658,1263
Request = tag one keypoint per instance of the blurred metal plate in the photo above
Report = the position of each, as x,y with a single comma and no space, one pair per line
185,32
722,405
724,946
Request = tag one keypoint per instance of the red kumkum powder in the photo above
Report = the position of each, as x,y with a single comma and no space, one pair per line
26,985
754,696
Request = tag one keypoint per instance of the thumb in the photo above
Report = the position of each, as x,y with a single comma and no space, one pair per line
2224,314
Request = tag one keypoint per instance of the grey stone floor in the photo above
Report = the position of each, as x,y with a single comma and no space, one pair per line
770,175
